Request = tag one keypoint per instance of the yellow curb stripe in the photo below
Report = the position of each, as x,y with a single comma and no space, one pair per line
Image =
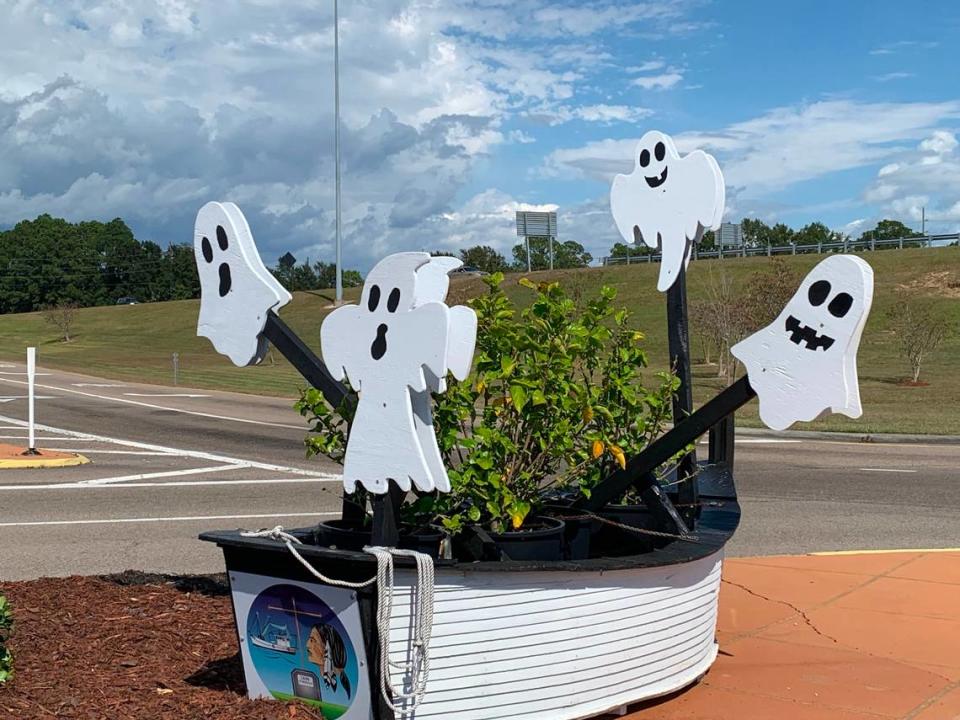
41,462
886,552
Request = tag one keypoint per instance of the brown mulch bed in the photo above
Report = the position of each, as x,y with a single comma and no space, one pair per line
129,646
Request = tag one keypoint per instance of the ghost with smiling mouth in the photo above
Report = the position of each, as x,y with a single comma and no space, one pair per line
668,201
805,361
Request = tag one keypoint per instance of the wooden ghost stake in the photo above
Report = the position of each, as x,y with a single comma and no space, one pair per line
237,292
397,345
668,201
805,362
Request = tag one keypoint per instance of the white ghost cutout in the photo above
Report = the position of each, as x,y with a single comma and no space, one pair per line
668,201
236,291
433,281
392,346
806,361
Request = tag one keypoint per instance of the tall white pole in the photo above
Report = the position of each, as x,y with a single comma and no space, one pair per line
336,112
31,375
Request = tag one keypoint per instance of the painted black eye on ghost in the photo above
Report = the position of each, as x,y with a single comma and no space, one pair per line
840,305
394,300
374,299
659,152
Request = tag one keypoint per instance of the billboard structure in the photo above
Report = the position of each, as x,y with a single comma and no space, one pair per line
537,224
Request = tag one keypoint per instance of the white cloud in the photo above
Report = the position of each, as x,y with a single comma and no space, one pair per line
147,108
941,142
893,76
664,81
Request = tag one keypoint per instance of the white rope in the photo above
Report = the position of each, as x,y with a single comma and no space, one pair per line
287,539
417,670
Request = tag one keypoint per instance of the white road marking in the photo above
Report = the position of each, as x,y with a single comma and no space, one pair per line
895,470
98,384
157,407
11,398
759,441
87,451
166,473
181,518
173,484
21,373
196,454
186,395
43,439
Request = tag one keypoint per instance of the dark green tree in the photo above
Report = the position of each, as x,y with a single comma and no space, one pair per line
891,230
484,257
569,254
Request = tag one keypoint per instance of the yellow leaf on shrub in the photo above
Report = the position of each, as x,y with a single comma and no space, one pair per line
517,520
619,456
527,283
597,449
638,336
587,413
481,386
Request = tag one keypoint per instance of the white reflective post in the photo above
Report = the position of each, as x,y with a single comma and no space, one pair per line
31,374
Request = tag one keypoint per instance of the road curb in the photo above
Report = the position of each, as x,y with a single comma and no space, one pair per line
34,462
866,438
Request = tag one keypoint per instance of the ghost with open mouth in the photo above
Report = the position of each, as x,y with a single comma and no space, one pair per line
396,347
805,362
668,201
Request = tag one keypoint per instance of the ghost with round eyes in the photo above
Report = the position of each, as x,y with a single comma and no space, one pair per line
805,362
394,346
236,291
668,201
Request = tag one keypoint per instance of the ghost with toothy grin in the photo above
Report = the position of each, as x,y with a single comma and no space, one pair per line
396,347
805,362
668,201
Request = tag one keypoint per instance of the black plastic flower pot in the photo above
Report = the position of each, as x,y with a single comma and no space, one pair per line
543,541
345,535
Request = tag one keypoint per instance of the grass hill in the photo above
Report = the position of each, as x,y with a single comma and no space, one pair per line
135,342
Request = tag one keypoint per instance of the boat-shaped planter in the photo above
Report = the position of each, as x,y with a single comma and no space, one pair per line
549,641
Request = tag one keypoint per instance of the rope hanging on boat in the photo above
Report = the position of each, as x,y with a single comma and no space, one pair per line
417,669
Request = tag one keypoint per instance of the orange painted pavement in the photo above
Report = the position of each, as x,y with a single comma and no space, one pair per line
831,637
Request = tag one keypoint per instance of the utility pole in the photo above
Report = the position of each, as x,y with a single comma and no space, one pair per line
923,221
336,113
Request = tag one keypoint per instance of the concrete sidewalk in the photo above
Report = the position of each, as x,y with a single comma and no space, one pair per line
831,637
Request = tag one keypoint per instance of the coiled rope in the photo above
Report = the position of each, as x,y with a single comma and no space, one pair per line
417,669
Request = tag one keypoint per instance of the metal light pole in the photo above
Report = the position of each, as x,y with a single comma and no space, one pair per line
336,113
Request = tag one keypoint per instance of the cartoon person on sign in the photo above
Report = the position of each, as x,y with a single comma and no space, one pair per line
395,347
326,650
668,201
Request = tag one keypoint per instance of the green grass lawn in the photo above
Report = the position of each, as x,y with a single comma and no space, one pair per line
135,342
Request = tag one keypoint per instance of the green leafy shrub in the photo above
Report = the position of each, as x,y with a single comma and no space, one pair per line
556,402
6,625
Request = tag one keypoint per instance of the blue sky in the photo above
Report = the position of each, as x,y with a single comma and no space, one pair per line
456,113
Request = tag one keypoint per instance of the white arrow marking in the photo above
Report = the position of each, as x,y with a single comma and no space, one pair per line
98,385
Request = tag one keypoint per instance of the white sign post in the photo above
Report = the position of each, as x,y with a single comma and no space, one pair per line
31,375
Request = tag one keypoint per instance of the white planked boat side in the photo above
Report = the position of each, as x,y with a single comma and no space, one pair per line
561,645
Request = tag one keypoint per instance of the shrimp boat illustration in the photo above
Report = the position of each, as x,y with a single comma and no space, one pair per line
273,637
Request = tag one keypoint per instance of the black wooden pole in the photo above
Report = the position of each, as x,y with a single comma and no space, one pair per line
386,516
311,367
639,469
678,336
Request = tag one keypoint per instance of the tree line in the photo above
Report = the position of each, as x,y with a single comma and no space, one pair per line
757,234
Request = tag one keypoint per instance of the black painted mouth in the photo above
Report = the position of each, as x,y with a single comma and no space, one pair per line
657,181
802,333
379,347
225,281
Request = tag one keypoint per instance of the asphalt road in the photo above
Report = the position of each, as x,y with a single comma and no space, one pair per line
171,462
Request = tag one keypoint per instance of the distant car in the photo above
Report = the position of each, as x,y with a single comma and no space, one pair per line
470,270
127,300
